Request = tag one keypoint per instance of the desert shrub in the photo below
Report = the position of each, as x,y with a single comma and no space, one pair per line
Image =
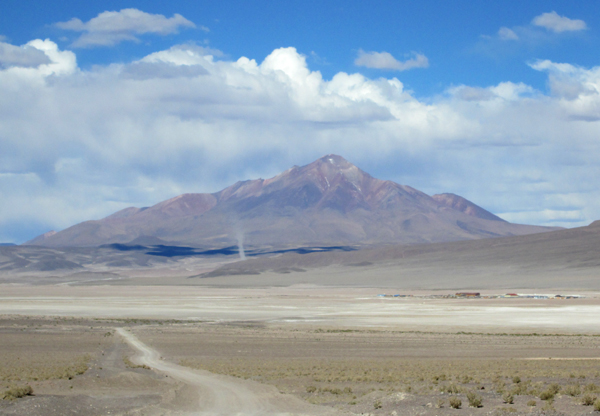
531,403
455,402
347,390
311,389
474,399
377,405
516,379
519,389
572,390
16,392
451,389
507,397
547,394
130,364
588,400
499,386
548,406
592,388
535,389
555,388
597,405
332,390
466,379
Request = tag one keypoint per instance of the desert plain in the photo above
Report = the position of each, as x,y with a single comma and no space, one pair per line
305,334
162,343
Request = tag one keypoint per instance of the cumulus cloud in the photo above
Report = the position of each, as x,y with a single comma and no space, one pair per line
385,60
556,23
43,58
576,89
111,27
24,56
80,144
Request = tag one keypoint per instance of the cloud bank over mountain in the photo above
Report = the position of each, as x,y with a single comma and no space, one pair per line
82,143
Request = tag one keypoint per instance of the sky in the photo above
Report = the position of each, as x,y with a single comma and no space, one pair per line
111,104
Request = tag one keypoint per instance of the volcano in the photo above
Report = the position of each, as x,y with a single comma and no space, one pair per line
327,202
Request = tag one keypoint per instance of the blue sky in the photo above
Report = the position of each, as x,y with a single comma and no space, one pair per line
105,105
452,34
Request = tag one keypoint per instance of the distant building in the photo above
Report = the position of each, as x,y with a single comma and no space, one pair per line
468,294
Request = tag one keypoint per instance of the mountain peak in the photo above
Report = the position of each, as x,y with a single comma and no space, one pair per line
329,201
332,169
333,159
333,163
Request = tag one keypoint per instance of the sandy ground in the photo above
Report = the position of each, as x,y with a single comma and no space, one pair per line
358,307
255,368
288,340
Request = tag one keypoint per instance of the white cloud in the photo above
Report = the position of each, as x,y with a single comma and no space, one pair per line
505,33
111,27
504,91
532,34
576,90
54,62
80,144
556,23
24,56
384,60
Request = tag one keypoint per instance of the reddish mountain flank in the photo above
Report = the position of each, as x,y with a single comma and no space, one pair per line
329,201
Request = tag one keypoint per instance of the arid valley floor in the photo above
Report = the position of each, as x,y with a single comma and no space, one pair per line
174,349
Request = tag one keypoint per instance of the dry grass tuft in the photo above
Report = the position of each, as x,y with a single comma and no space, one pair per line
588,399
16,392
572,390
455,402
130,364
508,398
475,399
44,369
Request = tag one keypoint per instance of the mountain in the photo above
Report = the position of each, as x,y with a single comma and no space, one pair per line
329,201
459,203
40,239
566,260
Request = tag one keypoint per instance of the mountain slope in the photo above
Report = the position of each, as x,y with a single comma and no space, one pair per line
467,207
329,201
567,259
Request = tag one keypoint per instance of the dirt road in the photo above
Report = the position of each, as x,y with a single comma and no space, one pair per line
220,395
